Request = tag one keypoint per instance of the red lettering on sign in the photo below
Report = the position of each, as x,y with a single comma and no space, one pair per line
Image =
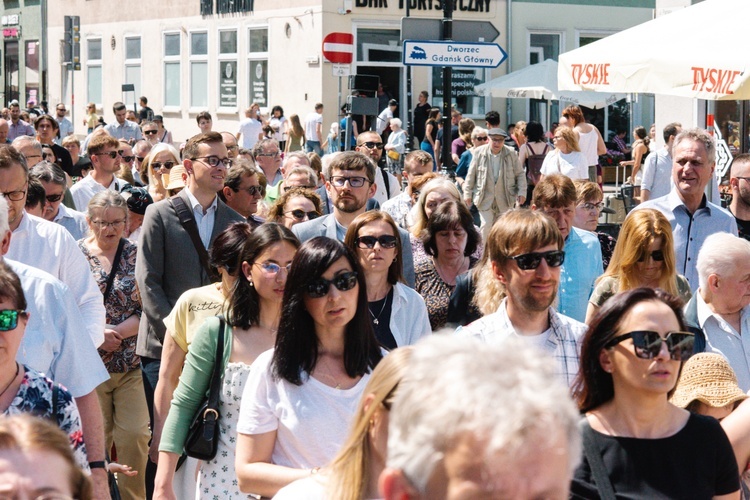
591,74
713,80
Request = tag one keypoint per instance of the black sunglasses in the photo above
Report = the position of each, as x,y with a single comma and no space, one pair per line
373,145
252,190
528,261
111,154
157,165
150,132
657,255
9,319
299,214
647,344
53,198
320,287
127,159
385,240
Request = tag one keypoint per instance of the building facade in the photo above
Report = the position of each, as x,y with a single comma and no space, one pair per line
23,71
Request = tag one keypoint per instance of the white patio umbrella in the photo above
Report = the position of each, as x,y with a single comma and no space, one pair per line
700,51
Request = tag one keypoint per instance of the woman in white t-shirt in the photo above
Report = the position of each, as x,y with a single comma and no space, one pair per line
302,395
280,126
567,158
590,141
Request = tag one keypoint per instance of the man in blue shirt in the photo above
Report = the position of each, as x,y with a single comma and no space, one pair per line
555,195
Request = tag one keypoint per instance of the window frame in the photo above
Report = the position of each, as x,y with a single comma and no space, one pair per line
257,56
133,63
95,63
171,60
201,58
228,57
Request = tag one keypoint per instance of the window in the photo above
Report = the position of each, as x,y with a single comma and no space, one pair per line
257,64
133,65
172,51
543,46
199,70
32,70
462,89
94,70
228,69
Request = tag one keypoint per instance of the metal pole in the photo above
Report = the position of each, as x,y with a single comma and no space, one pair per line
409,111
72,96
447,92
43,65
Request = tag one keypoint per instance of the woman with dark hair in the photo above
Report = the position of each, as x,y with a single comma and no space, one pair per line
250,329
279,124
638,444
431,127
301,397
640,151
399,315
529,154
450,240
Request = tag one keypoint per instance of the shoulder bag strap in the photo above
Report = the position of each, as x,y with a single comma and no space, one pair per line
594,458
188,222
213,392
386,182
115,265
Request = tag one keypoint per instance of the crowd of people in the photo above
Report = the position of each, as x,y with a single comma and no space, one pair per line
368,327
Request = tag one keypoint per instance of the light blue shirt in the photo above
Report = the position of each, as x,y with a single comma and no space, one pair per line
128,130
72,220
689,231
204,220
583,264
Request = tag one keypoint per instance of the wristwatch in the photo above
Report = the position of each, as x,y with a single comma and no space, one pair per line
99,464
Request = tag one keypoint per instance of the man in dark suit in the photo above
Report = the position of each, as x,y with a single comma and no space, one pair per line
168,263
350,183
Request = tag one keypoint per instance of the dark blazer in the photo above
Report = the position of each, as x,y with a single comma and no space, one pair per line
326,226
167,266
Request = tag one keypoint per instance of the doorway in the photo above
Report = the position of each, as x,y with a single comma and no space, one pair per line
11,63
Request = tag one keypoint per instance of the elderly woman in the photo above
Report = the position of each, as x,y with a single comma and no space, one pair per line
477,138
301,397
112,261
294,206
54,181
26,390
567,158
638,444
450,239
588,207
643,257
395,148
157,164
399,316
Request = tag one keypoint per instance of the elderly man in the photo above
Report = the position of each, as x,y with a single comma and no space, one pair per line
721,306
268,158
495,181
122,128
692,217
242,191
416,164
291,162
30,148
387,186
18,127
530,275
230,142
4,129
657,168
556,196
471,420
54,182
739,183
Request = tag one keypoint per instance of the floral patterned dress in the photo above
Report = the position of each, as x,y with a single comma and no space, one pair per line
218,480
35,396
435,292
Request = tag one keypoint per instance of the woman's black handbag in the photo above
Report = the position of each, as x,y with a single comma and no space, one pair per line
203,435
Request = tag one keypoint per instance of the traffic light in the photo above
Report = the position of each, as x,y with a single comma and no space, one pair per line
72,42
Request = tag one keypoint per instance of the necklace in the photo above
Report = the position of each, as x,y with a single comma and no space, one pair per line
11,380
331,377
375,318
444,276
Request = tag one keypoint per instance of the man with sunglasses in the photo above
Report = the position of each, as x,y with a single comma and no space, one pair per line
104,152
416,164
387,186
150,131
556,196
54,182
739,183
350,184
64,125
530,276
242,191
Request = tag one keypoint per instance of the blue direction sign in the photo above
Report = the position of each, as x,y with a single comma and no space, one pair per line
454,54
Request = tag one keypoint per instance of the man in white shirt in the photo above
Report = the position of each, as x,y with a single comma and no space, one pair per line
385,116
105,158
657,168
122,128
54,182
251,128
314,130
416,164
66,127
371,144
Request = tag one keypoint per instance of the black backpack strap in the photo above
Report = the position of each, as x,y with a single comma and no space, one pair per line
188,222
594,458
387,183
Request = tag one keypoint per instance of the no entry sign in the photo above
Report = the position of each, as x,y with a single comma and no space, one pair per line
339,47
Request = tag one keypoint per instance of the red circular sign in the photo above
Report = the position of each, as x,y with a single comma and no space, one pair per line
339,47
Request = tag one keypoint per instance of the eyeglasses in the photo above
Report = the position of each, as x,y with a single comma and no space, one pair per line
157,165
300,214
385,240
53,198
529,261
111,154
481,138
355,182
215,161
592,206
743,178
15,195
271,268
373,145
252,190
101,224
320,287
9,319
656,255
267,155
647,344
232,148
150,132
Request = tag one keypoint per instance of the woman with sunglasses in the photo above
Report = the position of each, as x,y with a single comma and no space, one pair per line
294,206
354,473
156,166
643,257
250,329
636,443
398,313
301,397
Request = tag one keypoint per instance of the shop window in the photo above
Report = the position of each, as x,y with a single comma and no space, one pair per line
463,95
94,70
172,51
257,65
228,69
199,70
32,70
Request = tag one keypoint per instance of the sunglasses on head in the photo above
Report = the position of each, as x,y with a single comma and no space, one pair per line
320,287
373,145
9,319
657,255
647,344
299,214
385,240
529,261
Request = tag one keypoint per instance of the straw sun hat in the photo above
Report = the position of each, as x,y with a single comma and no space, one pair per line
708,378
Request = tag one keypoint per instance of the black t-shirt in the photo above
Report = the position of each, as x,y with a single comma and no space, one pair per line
696,463
380,314
454,134
743,227
63,160
420,118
